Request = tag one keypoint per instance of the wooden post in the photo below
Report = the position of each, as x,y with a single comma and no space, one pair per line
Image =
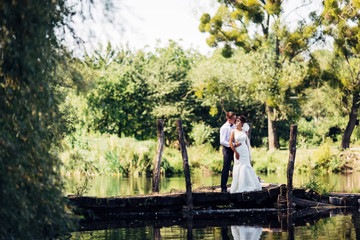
190,224
189,198
159,151
291,163
290,225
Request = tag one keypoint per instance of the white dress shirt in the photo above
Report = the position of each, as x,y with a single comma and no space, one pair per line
225,132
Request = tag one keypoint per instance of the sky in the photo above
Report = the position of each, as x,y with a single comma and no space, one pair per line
140,24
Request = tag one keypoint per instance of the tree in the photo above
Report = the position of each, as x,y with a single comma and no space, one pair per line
254,25
135,89
276,88
171,88
120,101
31,198
223,85
341,19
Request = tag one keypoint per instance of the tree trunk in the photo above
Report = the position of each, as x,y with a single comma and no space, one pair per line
345,142
272,129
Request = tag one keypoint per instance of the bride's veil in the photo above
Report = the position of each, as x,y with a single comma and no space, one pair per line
246,127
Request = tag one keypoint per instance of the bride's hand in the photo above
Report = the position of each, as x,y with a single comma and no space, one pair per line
237,156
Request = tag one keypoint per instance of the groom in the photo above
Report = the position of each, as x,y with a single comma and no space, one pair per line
228,153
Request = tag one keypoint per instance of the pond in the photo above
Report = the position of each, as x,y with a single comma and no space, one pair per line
334,224
107,186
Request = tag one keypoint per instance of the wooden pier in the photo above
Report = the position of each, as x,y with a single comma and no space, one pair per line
206,200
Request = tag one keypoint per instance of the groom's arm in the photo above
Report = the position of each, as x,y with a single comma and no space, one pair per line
223,140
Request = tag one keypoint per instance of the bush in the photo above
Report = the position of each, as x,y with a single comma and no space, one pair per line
201,133
323,156
327,159
264,161
315,184
94,153
308,134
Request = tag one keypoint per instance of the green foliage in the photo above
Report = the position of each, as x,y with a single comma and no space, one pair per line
275,86
222,85
342,25
266,162
205,158
31,200
94,153
128,91
107,154
323,157
276,70
83,187
316,185
167,169
250,24
327,159
201,133
171,88
119,102
310,133
172,161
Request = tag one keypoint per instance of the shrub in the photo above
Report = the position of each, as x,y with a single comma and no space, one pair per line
264,161
315,184
94,153
325,159
201,133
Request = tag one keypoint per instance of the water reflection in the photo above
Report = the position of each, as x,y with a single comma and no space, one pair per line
339,224
246,232
107,186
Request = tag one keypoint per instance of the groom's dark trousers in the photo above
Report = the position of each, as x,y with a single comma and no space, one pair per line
228,154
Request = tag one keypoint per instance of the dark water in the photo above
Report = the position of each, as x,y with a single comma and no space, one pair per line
330,224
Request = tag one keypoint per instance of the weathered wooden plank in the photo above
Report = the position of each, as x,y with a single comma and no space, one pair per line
307,203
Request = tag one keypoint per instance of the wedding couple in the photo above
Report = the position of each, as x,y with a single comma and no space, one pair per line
236,147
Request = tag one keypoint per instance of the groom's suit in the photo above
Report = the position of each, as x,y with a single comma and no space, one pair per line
228,153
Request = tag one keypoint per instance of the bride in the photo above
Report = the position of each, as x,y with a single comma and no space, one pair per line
244,177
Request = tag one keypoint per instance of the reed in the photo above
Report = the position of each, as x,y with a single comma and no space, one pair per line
94,153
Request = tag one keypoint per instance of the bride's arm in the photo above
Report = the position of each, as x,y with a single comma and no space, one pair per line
231,141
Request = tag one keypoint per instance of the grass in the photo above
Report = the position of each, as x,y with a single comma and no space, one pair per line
94,153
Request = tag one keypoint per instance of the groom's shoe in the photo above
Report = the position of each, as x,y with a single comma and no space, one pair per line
224,190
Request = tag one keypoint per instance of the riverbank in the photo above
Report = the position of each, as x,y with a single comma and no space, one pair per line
105,154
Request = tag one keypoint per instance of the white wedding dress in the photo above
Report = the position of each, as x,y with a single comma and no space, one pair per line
244,177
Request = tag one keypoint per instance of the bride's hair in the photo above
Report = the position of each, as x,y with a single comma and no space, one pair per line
242,119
